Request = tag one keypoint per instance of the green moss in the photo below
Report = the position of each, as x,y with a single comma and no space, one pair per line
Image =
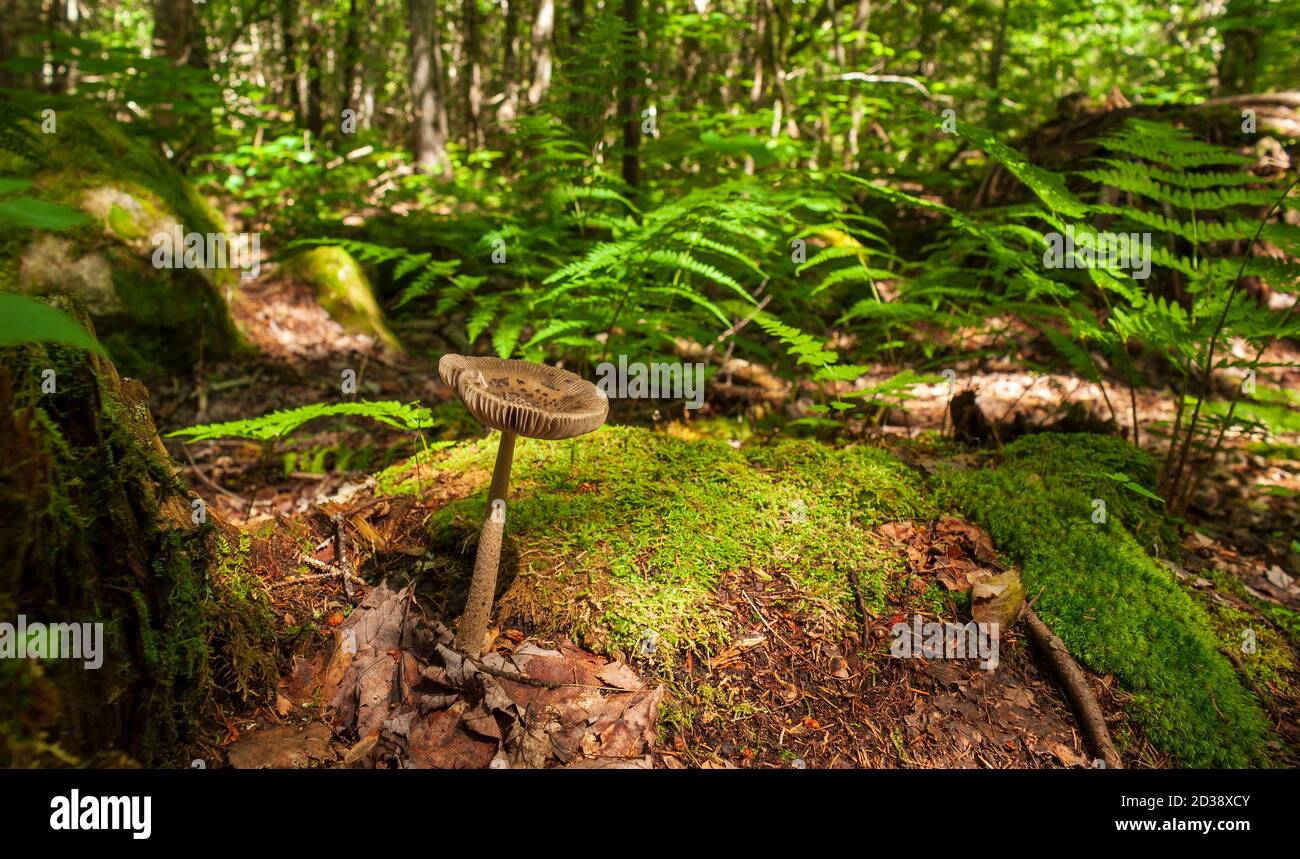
97,530
343,290
1117,609
91,150
626,532
241,628
167,317
1285,620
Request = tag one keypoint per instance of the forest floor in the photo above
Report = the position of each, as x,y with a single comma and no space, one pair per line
786,688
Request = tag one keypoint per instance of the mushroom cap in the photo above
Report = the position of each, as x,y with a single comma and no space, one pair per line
529,399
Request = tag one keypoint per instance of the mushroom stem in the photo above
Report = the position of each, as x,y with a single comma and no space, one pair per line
482,588
501,472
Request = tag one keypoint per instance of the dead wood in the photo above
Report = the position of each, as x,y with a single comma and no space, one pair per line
1077,688
1069,139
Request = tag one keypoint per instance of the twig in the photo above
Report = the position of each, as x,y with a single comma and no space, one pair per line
514,677
328,571
883,79
340,554
207,480
739,325
864,624
1076,687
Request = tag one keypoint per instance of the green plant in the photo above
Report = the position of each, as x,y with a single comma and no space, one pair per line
277,425
1179,188
30,213
26,320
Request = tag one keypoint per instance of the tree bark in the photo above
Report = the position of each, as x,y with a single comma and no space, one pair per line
21,18
1239,64
629,101
473,76
350,78
543,30
995,68
289,56
98,530
315,78
429,139
509,108
178,33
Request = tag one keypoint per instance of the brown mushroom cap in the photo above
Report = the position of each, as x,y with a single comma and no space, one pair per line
533,400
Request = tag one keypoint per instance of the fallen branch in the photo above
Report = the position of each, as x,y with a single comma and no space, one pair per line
883,79
1077,688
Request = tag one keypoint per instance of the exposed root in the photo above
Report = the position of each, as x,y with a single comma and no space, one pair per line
1076,688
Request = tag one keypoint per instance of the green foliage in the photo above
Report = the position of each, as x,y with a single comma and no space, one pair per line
26,320
16,138
280,424
30,213
1116,608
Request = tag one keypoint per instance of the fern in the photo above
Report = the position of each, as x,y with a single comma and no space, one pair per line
803,347
274,426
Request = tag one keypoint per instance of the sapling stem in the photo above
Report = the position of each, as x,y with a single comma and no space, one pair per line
482,587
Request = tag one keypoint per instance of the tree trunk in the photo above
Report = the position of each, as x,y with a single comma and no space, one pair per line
21,18
350,77
98,530
577,17
995,68
543,29
178,34
315,82
429,141
509,66
629,105
1239,64
473,76
289,45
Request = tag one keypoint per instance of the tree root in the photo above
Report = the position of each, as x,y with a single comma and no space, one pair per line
1077,688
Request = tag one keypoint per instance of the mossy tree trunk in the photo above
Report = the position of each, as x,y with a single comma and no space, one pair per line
97,528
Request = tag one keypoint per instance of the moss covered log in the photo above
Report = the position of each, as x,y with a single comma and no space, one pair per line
621,538
1096,586
342,288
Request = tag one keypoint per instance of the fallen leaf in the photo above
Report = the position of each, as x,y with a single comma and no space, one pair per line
997,599
361,749
285,747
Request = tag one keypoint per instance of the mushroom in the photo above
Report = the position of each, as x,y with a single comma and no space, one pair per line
517,398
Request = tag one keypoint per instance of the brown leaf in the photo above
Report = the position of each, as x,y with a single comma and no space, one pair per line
438,743
361,749
997,599
285,747
619,676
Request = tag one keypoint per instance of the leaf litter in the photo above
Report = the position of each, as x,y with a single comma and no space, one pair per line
402,697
